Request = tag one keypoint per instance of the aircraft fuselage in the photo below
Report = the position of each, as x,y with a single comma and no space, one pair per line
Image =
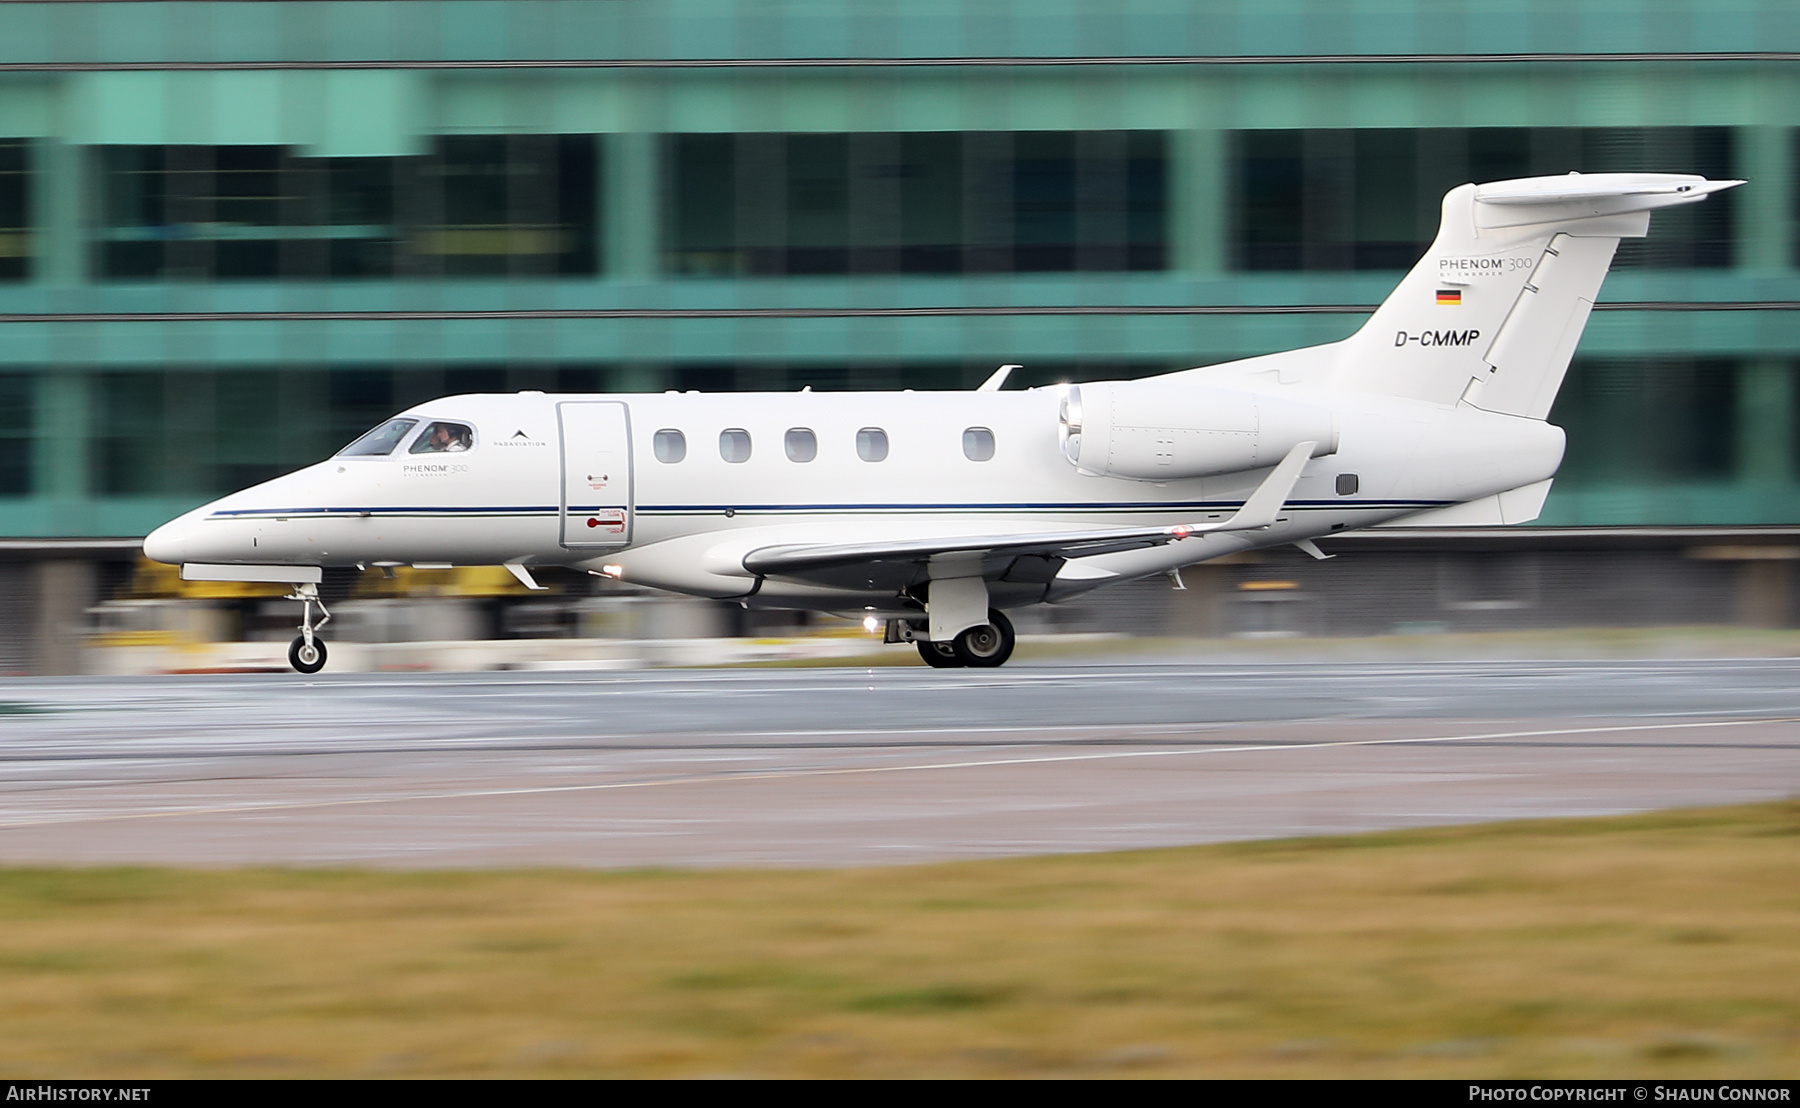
938,510
544,482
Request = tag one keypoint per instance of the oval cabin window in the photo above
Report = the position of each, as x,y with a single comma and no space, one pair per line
734,445
671,445
802,444
871,444
978,444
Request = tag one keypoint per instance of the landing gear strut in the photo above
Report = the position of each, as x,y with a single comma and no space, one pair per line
307,652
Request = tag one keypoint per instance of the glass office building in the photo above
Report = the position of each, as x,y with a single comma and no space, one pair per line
234,235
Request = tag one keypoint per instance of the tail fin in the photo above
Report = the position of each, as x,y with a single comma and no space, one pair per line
1491,314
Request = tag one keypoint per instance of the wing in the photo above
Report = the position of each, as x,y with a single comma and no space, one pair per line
1033,558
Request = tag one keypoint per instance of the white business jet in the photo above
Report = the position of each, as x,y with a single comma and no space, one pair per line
934,512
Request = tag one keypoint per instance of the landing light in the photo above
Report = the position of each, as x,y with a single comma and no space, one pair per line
871,624
615,572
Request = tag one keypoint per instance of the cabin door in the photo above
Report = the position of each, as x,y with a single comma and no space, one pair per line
596,473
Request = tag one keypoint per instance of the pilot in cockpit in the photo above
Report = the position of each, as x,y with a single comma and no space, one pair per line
443,438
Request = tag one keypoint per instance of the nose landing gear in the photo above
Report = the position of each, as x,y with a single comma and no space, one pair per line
307,652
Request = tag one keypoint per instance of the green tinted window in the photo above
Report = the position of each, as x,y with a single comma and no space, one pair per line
1368,199
973,202
16,414
1634,421
15,230
476,205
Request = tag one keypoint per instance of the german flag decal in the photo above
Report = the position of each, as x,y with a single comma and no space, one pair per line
1449,296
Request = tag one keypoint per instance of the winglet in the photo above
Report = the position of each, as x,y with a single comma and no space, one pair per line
1266,502
997,378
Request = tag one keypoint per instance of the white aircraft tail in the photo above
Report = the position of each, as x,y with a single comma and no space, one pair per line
1491,314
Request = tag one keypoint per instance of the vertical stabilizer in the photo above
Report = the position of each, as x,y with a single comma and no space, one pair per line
1491,315
1524,365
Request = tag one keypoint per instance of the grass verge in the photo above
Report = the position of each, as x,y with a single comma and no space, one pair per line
1655,945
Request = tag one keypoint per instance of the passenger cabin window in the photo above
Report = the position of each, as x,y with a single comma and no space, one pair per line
444,438
381,440
871,444
734,445
1347,484
978,444
670,445
802,444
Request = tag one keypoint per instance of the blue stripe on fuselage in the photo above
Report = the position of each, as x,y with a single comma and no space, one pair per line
689,509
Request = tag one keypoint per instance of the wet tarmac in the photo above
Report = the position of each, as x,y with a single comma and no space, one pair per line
860,766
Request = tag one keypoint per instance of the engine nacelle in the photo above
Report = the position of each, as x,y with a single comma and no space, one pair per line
1156,431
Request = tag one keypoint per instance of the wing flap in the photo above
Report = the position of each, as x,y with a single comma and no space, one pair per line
999,553
785,560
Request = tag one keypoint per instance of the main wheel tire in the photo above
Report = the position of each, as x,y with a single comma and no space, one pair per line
938,655
307,659
989,645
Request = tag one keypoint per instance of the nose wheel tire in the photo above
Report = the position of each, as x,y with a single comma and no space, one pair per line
938,655
307,657
988,645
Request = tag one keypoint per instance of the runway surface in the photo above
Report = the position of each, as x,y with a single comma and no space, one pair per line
860,766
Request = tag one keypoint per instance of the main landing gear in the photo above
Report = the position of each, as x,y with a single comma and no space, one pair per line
937,655
982,647
307,652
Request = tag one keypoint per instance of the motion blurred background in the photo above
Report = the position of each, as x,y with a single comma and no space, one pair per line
235,235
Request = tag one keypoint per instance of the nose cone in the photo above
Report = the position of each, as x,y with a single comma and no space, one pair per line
182,538
169,543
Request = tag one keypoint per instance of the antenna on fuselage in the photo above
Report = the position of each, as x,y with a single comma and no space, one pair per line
998,378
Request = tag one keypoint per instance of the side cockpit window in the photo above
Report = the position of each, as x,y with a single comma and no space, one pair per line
444,438
381,440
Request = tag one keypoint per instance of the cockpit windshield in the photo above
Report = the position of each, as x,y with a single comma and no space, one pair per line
381,440
444,438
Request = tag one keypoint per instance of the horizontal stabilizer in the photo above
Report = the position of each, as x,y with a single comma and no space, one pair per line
1594,186
1580,197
